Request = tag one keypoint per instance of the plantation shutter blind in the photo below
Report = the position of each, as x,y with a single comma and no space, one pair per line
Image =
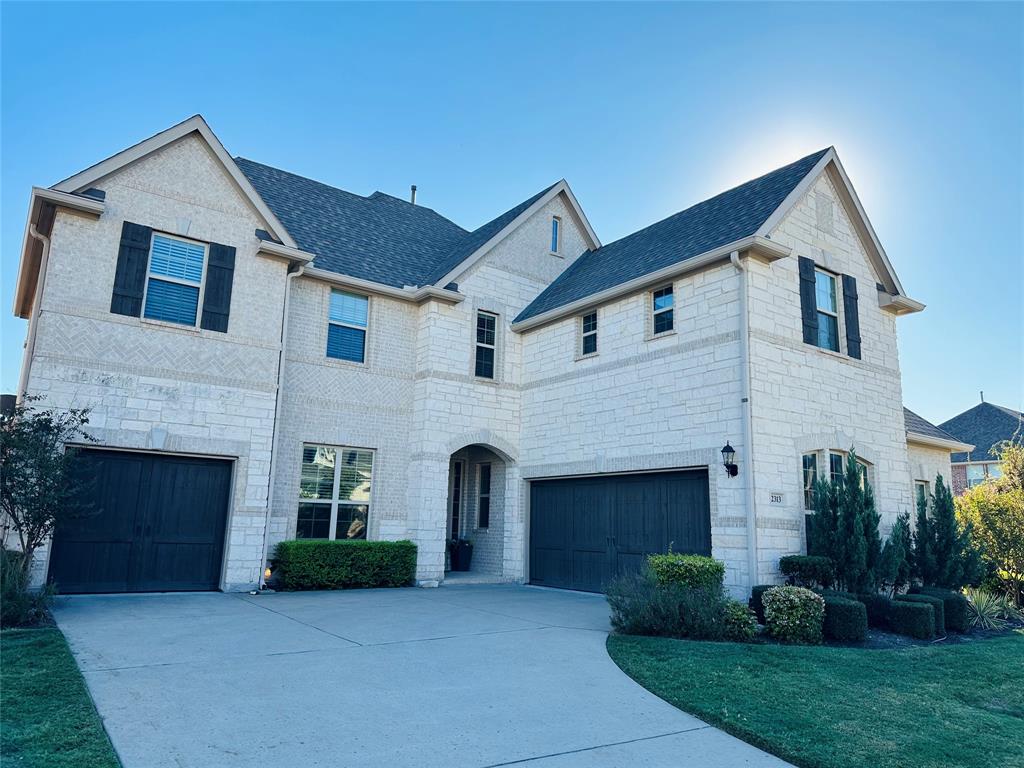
808,305
132,265
852,316
220,271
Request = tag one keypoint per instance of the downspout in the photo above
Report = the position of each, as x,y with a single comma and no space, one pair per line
748,426
274,437
33,323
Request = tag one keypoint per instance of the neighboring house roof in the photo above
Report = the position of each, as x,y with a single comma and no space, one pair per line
921,430
985,425
723,219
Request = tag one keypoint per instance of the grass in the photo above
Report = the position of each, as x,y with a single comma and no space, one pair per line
46,715
819,707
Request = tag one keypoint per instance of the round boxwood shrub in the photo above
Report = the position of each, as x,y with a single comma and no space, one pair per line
954,606
937,608
878,610
687,570
807,570
912,618
846,621
794,614
755,601
740,622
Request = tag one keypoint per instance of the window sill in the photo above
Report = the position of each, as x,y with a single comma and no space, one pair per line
662,335
557,255
484,380
586,357
339,362
830,352
167,324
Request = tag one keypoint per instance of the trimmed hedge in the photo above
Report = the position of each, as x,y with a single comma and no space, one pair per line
846,621
912,618
794,614
325,564
954,606
937,608
740,624
807,570
755,602
878,610
687,570
836,593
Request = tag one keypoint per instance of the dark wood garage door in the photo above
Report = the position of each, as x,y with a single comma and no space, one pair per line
157,524
584,531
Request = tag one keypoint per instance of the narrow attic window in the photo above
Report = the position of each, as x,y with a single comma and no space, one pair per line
588,331
662,302
556,235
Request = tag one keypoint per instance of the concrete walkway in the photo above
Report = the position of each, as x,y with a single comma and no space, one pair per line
467,676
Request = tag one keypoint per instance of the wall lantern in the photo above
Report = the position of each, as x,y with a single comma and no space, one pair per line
729,459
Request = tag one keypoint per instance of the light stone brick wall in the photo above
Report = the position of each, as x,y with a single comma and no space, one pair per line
925,462
212,392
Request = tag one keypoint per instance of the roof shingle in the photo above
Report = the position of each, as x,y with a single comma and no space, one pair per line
985,426
921,426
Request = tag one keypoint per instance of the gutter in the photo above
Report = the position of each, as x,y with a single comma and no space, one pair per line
756,245
33,323
750,494
411,293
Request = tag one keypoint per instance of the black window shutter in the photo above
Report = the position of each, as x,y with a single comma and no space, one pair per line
130,276
851,315
220,272
808,305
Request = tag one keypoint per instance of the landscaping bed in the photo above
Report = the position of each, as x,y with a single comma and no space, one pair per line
46,715
930,705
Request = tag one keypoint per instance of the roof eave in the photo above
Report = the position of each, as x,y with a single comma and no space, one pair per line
414,294
28,267
898,305
277,250
954,446
753,246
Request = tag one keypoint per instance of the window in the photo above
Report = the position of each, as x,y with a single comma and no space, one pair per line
175,280
556,235
862,468
810,475
486,327
588,327
334,492
828,310
346,326
483,510
836,467
979,473
661,308
456,497
920,493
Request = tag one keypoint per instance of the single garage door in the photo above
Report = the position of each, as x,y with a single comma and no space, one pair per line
157,524
584,531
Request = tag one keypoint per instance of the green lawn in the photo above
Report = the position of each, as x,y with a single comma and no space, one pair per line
925,706
46,715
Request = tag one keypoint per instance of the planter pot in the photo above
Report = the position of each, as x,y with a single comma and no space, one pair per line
460,555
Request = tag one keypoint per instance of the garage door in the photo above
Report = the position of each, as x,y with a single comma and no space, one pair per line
157,524
584,531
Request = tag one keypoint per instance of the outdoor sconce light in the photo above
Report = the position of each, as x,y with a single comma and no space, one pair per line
729,459
266,573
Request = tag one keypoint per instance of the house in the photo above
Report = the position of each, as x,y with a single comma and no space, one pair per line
929,449
986,425
267,356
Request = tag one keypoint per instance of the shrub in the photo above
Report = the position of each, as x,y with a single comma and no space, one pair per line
913,619
807,570
954,607
740,622
756,601
945,554
938,614
794,614
323,564
895,567
836,593
687,570
988,610
642,606
877,607
846,621
20,606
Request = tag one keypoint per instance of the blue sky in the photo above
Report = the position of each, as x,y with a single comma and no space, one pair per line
645,109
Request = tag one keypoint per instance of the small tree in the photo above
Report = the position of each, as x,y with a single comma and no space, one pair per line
944,553
894,569
41,484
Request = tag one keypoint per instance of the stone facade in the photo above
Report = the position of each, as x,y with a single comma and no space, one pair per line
640,403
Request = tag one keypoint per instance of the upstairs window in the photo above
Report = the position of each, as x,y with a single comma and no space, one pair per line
556,235
810,475
483,516
346,327
334,492
662,302
175,280
486,330
588,328
828,310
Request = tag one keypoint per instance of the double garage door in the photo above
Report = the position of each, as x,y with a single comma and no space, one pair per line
156,524
584,531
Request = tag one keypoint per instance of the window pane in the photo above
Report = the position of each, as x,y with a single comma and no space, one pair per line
484,513
485,329
554,235
810,475
314,521
174,258
835,467
356,471
348,308
825,291
975,472
344,343
590,344
663,298
828,332
590,322
485,362
351,521
485,479
173,302
663,322
921,493
994,470
317,478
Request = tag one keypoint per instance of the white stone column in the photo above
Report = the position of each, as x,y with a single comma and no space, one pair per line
428,504
513,554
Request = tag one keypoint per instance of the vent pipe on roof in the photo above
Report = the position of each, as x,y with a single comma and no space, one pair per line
412,197
982,395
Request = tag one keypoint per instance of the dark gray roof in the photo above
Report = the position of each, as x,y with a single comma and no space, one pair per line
732,215
921,426
379,238
985,425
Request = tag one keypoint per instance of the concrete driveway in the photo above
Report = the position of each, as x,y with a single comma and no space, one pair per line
467,676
